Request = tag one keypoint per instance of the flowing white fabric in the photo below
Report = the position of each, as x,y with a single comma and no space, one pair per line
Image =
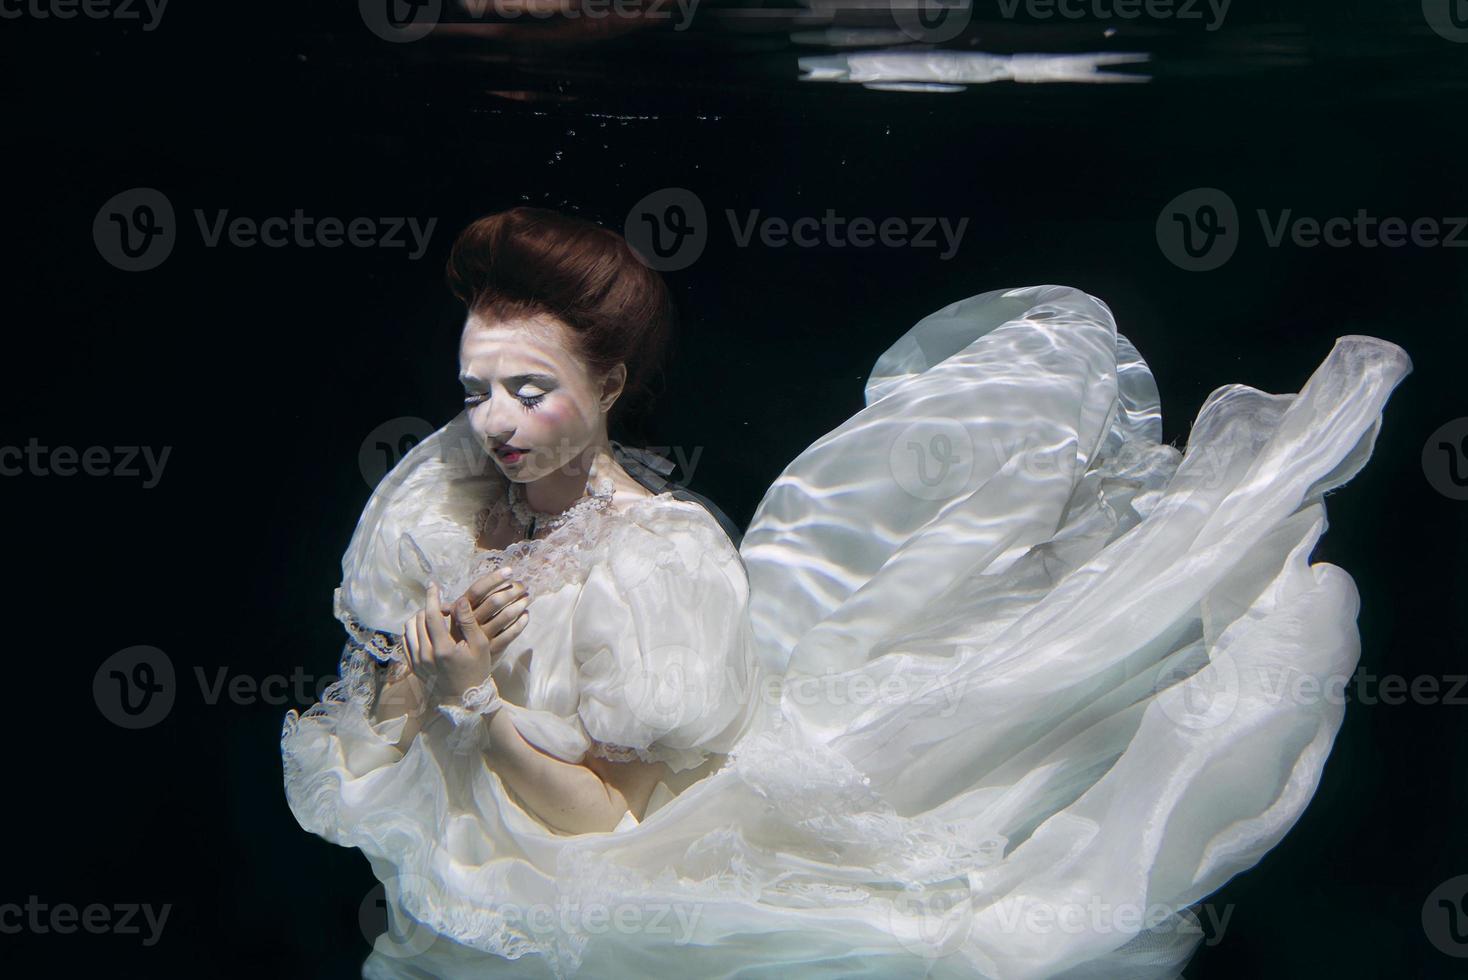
992,687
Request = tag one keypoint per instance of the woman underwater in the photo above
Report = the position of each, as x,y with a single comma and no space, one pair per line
990,687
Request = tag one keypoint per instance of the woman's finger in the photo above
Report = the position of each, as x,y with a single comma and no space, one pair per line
410,640
498,600
426,653
503,639
506,616
468,625
438,627
488,584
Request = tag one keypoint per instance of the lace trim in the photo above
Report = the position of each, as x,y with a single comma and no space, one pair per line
618,753
483,699
373,657
565,555
678,760
906,869
381,645
599,498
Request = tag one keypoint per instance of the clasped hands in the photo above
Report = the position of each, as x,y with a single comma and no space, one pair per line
451,648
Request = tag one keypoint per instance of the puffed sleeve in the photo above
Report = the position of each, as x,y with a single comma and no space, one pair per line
341,767
661,637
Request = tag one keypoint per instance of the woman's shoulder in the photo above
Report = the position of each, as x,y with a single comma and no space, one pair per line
670,515
676,511
659,524
663,543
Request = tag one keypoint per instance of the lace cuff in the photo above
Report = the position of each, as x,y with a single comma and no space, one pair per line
677,760
483,698
471,716
380,645
617,753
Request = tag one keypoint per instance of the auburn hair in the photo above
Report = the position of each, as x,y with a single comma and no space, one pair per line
528,262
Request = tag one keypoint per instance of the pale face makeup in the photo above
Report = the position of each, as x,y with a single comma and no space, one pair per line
524,388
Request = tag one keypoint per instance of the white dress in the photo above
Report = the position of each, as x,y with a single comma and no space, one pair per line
996,684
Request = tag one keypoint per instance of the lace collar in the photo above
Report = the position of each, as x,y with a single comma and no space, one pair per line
422,525
598,497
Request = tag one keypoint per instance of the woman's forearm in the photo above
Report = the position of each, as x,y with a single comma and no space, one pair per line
566,796
395,699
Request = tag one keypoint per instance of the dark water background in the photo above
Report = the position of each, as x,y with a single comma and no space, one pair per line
266,369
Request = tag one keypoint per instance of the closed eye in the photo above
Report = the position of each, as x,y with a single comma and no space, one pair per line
531,402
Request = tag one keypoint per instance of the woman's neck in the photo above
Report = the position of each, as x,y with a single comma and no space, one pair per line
556,491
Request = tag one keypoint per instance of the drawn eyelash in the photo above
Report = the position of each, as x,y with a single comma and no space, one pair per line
531,403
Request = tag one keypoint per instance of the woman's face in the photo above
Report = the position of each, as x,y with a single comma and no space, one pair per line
524,388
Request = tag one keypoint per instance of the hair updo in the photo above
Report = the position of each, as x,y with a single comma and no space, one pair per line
527,262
